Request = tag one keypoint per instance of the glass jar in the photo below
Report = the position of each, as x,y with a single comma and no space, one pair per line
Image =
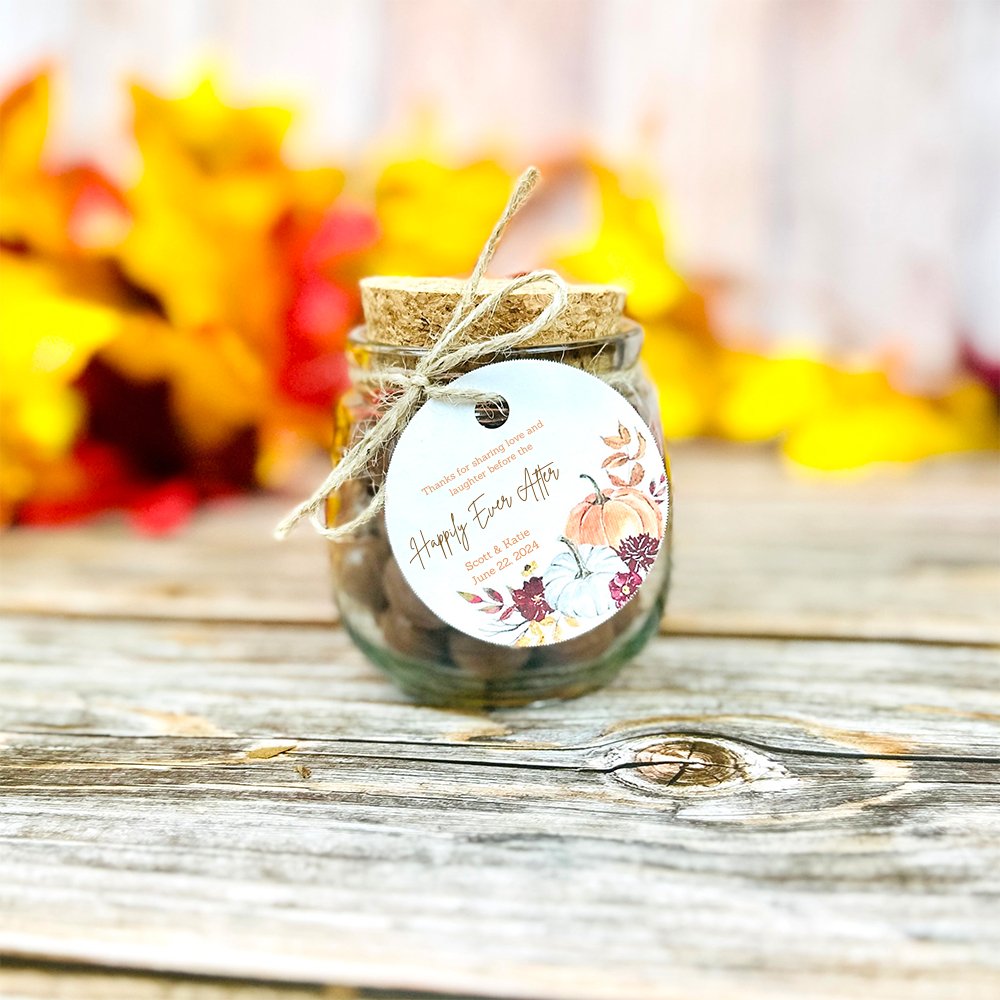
431,661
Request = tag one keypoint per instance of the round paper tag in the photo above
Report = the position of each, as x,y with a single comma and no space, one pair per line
535,531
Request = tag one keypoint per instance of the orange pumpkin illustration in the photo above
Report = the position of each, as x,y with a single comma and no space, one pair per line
608,516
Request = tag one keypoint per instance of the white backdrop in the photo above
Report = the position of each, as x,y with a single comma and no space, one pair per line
834,163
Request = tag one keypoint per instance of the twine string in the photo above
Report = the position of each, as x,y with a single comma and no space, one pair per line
431,377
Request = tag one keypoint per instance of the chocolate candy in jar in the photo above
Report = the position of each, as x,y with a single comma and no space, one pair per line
514,500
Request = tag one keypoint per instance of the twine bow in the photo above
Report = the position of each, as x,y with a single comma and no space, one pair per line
429,378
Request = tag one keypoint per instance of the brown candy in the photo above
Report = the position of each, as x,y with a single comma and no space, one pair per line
358,567
349,501
628,614
484,659
403,599
580,649
409,639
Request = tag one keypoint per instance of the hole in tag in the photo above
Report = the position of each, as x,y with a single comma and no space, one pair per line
493,414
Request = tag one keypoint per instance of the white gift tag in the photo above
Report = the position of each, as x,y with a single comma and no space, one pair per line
536,531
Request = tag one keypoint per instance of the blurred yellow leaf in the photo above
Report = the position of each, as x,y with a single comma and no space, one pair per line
628,247
218,385
24,117
212,190
865,420
202,133
50,328
434,218
31,210
53,316
764,397
684,367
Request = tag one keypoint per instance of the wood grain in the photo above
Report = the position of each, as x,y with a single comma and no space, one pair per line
679,829
911,554
207,792
161,678
26,981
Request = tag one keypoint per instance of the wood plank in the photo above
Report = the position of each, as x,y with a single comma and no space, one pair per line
21,980
518,881
741,816
910,554
216,679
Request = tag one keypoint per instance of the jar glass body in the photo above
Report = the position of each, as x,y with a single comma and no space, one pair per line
431,661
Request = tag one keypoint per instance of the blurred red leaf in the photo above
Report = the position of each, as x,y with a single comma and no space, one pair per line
163,509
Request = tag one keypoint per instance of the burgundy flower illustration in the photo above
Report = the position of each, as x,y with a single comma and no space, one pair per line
638,552
623,586
530,600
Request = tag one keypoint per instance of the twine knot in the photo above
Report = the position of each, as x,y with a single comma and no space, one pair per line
431,377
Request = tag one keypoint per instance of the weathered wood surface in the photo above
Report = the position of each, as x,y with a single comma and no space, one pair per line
901,554
26,981
212,782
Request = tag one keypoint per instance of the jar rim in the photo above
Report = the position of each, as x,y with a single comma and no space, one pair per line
627,334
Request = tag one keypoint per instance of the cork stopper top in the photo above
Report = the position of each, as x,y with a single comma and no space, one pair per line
412,312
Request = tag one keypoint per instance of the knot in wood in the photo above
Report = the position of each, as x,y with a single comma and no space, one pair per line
689,763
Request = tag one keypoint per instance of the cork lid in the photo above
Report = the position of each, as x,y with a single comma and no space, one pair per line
412,312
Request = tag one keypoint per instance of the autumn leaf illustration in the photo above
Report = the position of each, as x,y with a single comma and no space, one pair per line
471,598
624,437
614,461
637,473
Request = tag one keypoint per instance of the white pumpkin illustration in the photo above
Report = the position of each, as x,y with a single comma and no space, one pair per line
577,582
